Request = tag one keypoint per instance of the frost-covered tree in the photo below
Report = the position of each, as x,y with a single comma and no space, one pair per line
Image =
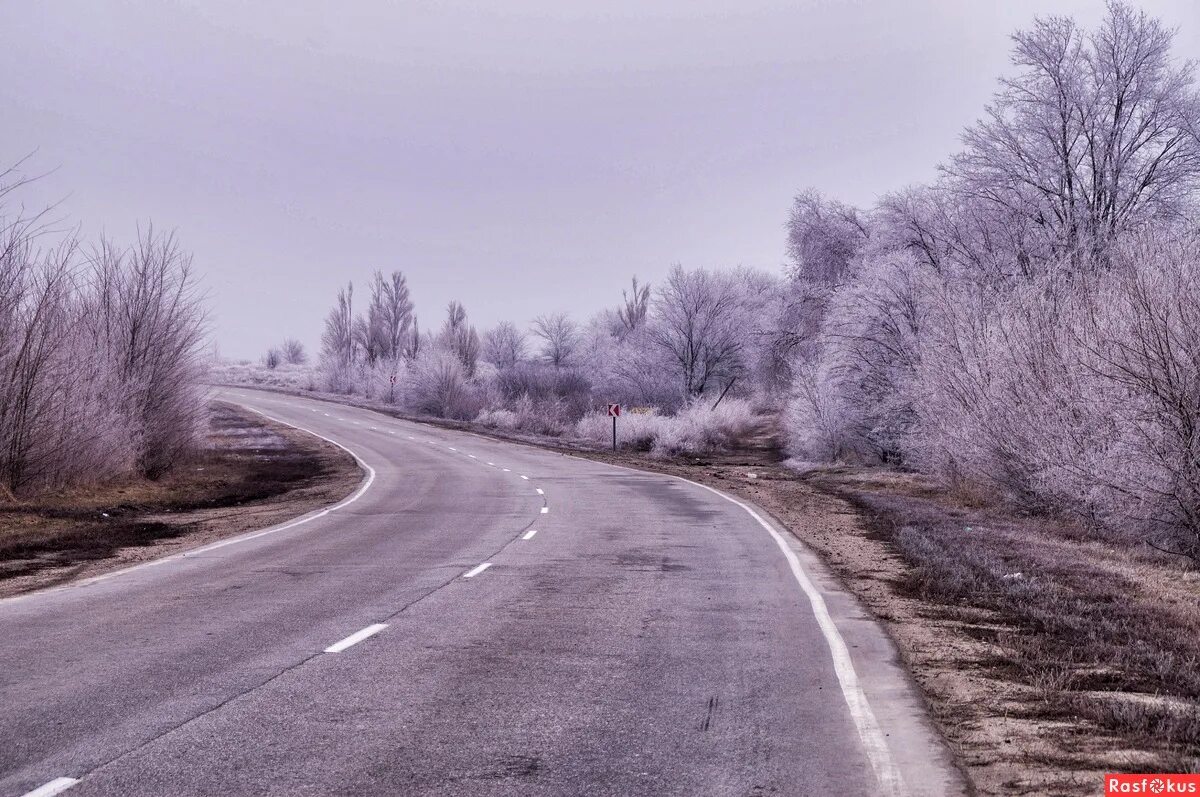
1095,135
504,345
695,325
560,338
460,338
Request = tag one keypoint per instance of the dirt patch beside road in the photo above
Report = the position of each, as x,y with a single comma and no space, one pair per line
253,473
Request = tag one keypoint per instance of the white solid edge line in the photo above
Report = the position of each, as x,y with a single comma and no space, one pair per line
56,786
355,638
357,494
476,570
875,743
529,534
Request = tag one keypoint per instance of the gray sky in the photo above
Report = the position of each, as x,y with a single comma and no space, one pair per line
522,160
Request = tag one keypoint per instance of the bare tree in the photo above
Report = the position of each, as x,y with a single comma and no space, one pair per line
412,341
460,338
504,345
153,319
293,353
383,332
272,358
337,342
1096,135
694,322
560,337
632,313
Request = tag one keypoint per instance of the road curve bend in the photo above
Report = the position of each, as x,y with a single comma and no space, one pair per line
479,617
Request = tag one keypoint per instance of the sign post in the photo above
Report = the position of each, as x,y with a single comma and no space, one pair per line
614,412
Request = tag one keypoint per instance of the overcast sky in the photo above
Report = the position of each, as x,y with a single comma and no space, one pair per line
522,160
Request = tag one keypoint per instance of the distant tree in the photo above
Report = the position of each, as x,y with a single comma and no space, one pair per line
273,358
823,237
632,313
384,331
695,323
412,340
293,352
560,338
504,345
460,338
337,342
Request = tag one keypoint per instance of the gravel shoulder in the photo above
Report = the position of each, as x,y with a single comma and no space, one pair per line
251,474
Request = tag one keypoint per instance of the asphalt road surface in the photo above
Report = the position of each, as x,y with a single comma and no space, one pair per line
479,618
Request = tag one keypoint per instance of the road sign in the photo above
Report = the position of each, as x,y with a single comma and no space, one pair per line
614,410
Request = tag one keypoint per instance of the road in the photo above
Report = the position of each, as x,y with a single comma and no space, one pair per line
480,617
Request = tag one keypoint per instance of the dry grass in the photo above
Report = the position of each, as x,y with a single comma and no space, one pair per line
1100,637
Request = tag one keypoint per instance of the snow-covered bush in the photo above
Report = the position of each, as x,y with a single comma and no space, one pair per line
700,429
286,375
438,386
638,431
100,362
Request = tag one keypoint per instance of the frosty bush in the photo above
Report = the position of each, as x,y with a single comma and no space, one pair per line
99,357
700,429
636,431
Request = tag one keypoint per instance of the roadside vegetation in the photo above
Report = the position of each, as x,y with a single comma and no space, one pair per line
100,354
110,451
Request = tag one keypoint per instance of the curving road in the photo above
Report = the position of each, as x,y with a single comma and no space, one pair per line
479,618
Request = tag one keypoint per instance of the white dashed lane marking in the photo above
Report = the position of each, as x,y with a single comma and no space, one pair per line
355,638
529,534
56,786
474,571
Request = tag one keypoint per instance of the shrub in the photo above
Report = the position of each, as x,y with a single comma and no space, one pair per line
697,429
700,429
636,431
